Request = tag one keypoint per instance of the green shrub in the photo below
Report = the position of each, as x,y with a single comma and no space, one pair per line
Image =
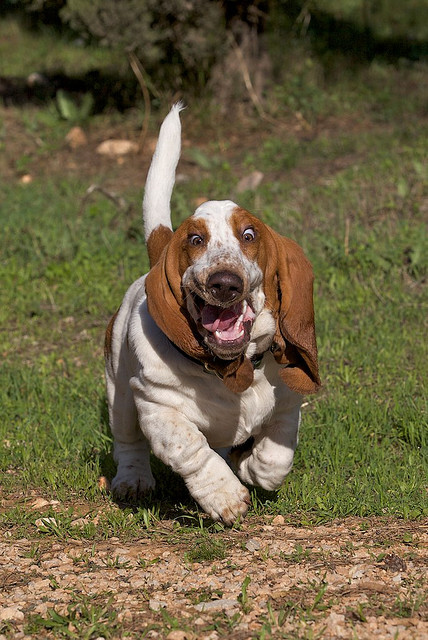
180,39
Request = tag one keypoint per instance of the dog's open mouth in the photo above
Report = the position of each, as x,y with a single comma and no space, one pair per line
227,329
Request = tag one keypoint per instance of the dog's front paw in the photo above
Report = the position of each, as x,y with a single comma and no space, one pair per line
266,471
131,483
230,506
226,503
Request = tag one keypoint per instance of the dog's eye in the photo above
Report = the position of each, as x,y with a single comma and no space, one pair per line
195,239
249,235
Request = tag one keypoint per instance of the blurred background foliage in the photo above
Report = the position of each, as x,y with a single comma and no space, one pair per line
197,45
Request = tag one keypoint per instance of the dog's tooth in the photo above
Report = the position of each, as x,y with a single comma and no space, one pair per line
243,310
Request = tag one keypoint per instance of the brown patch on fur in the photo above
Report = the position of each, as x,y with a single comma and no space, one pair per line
241,220
157,241
165,297
289,294
288,287
187,252
237,375
108,336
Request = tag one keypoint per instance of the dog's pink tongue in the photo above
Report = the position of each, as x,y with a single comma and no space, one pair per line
217,319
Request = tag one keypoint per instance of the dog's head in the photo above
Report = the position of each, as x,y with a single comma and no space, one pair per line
225,287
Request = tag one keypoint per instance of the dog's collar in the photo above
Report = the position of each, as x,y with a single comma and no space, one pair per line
256,360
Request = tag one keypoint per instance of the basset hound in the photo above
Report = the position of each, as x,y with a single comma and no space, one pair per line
213,348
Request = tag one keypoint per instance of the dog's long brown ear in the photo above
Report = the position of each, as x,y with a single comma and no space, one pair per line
166,305
289,294
157,241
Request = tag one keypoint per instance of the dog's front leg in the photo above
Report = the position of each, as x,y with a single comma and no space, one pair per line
271,457
180,445
131,450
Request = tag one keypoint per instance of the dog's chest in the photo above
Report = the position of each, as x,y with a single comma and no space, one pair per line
224,417
227,418
169,379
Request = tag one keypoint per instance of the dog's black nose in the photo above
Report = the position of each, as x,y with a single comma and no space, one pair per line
225,286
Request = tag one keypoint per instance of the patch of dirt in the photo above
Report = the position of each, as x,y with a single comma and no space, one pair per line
30,155
353,578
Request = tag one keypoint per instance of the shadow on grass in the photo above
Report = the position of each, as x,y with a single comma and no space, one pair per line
168,500
107,89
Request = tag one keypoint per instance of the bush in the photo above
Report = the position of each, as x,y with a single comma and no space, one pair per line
179,39
237,50
385,18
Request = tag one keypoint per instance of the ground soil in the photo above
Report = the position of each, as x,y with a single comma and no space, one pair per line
27,157
352,578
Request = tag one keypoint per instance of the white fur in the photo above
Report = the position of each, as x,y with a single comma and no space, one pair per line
161,176
223,248
160,400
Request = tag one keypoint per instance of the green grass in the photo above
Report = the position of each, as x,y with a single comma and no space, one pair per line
353,194
23,51
84,619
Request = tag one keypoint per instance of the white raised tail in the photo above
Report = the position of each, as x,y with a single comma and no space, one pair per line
161,177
